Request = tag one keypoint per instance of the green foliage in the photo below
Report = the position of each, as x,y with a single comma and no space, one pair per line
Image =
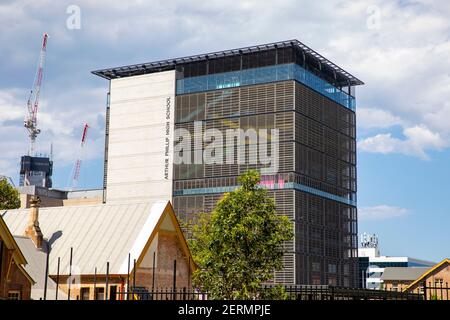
273,293
239,245
9,196
434,297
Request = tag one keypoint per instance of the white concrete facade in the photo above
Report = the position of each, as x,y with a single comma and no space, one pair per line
378,263
140,148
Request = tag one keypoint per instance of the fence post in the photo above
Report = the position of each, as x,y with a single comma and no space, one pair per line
189,272
107,281
70,272
174,279
446,291
46,271
134,274
153,271
128,277
425,290
95,283
57,280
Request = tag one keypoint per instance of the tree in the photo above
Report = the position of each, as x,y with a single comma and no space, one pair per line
239,245
9,196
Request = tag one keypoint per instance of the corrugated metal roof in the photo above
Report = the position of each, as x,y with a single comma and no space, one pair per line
36,269
402,273
8,239
98,234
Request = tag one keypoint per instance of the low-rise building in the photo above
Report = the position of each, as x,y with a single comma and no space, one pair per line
434,282
15,282
97,251
398,278
59,198
372,264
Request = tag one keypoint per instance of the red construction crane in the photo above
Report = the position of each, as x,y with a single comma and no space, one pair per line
33,100
76,168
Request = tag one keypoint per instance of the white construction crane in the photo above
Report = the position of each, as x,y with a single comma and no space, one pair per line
33,100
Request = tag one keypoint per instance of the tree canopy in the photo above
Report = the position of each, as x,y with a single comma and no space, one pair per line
239,245
9,196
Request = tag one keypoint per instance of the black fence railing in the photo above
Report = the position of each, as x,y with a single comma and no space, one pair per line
433,291
438,290
298,292
140,293
324,292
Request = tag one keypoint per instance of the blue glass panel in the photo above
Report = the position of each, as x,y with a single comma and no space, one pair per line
253,76
287,185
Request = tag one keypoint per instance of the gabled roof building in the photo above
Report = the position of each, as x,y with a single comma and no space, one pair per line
101,245
434,282
15,281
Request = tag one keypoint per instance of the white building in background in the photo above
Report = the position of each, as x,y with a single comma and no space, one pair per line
372,263
140,138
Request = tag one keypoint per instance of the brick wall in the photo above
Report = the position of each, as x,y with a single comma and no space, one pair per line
16,281
86,283
168,250
396,285
438,278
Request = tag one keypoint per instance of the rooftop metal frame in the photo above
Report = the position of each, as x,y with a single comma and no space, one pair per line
170,64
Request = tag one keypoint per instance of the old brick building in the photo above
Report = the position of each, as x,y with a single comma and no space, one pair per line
398,278
15,282
434,282
96,248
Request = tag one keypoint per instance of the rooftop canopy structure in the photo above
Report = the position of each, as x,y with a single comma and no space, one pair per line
242,58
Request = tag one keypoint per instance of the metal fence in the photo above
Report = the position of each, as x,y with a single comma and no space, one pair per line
298,292
436,291
141,293
323,292
423,291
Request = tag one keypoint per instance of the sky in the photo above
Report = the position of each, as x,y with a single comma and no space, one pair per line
400,49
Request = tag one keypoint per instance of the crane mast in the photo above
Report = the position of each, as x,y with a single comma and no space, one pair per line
77,166
33,100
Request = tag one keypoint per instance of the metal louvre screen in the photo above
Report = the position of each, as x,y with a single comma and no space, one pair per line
316,181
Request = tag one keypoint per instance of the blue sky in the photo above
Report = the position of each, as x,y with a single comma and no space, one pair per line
400,49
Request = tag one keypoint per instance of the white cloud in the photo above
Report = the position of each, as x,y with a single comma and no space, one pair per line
10,107
376,118
381,212
61,118
418,140
404,63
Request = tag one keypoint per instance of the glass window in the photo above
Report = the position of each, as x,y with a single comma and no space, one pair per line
14,295
315,266
332,268
99,293
346,269
84,293
113,293
261,73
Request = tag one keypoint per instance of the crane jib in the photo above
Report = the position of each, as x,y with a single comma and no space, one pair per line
33,101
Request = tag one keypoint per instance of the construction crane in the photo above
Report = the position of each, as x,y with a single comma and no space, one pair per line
33,100
77,166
